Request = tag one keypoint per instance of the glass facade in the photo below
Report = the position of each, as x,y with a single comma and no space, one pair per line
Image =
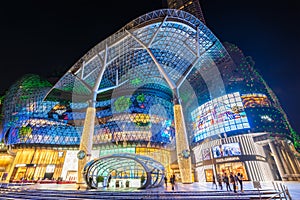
29,120
261,105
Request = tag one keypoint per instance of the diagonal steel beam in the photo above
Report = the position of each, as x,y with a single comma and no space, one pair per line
160,68
83,82
156,32
189,69
100,75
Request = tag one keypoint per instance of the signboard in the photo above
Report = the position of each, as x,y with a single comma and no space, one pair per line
230,159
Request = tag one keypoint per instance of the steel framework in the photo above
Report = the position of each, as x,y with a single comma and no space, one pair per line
130,165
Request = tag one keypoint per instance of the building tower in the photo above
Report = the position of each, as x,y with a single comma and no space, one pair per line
191,6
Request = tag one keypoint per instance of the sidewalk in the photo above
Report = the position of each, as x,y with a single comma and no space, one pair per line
293,187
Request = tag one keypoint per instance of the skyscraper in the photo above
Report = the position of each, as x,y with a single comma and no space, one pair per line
191,6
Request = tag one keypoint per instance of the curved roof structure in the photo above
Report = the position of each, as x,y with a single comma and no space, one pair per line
138,70
125,165
161,49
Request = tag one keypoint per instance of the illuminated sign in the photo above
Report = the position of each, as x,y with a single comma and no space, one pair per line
20,165
220,115
227,159
260,158
25,165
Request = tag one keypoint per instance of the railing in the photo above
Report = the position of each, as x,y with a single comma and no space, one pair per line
282,191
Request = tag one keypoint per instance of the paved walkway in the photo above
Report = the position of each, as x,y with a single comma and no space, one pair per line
180,189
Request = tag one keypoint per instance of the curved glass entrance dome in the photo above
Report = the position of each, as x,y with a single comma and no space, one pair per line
124,170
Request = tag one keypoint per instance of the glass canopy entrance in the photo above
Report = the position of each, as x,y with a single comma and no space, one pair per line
124,170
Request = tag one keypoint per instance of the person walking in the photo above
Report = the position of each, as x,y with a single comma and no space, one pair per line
240,180
108,181
91,182
226,181
172,180
232,181
214,181
219,180
166,181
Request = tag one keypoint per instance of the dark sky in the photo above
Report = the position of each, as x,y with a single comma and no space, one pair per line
42,37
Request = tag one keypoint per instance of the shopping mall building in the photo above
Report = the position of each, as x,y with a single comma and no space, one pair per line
163,87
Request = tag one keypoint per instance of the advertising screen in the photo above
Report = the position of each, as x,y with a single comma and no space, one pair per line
220,115
231,149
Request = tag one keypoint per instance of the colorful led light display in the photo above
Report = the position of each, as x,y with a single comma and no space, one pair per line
221,115
255,100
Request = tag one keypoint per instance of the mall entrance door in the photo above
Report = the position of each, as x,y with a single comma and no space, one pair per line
235,167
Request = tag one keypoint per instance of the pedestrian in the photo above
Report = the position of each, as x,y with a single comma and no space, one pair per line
219,179
226,181
240,180
90,182
214,181
236,179
109,179
232,181
172,180
166,181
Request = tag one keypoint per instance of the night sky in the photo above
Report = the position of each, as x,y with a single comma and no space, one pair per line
45,37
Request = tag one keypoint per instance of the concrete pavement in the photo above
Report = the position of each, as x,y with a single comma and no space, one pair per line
186,191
